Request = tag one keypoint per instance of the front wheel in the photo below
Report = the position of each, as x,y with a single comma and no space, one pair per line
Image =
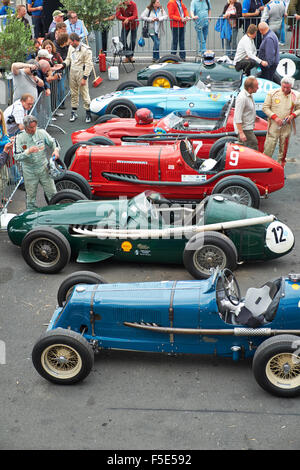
162,78
276,366
207,251
129,85
46,250
66,197
73,180
241,189
62,356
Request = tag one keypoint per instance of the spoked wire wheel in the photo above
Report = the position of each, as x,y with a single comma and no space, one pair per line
283,370
61,360
44,252
239,194
208,257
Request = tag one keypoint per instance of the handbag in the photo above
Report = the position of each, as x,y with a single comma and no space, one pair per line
145,29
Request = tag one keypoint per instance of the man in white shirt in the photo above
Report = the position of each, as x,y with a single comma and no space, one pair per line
15,113
245,114
245,58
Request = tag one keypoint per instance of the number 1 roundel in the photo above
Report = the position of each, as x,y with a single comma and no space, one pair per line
279,238
286,67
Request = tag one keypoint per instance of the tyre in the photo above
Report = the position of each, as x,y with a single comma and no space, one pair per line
122,108
62,356
80,277
206,251
129,85
73,180
46,250
67,196
171,58
241,189
105,118
215,149
162,79
276,366
70,153
101,140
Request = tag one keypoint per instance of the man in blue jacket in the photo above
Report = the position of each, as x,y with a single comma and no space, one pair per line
268,51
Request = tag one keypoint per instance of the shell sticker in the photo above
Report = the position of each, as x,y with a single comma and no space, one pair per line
126,246
295,286
214,96
277,101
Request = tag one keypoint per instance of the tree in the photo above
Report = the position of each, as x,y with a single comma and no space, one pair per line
92,12
15,42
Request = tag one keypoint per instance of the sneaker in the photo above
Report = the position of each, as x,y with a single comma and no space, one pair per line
59,114
73,117
53,118
88,117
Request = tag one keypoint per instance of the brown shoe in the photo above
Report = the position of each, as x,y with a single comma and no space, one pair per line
131,59
126,60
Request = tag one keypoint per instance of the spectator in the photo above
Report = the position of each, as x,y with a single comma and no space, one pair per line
21,13
294,10
55,56
6,10
26,78
35,7
251,11
4,176
179,15
30,150
61,42
58,17
55,75
79,59
245,58
128,14
74,25
61,28
281,106
200,13
273,14
232,12
15,113
268,51
245,114
4,139
155,16
43,64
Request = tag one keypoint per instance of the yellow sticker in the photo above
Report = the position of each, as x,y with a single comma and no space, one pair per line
214,96
277,101
295,286
126,246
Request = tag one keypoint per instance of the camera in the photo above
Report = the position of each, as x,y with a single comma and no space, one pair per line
11,119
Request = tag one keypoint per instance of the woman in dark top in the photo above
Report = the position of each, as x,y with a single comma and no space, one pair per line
232,12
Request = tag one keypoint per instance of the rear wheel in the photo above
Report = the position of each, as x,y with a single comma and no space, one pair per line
80,277
276,365
101,140
46,250
169,58
105,118
207,251
62,356
218,146
162,79
122,108
72,180
241,189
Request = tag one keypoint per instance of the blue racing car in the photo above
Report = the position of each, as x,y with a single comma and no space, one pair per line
209,99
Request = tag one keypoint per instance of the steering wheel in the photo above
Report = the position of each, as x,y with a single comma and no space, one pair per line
231,287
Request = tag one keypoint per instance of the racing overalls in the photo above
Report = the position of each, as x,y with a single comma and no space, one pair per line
81,63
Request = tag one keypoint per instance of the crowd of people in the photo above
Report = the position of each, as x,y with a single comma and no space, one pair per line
63,47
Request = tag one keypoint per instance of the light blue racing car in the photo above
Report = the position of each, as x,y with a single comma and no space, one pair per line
209,99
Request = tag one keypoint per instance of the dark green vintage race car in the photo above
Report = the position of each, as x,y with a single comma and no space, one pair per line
147,228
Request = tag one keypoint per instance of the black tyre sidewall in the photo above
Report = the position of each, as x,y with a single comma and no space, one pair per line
220,144
121,102
77,179
105,118
69,338
101,140
71,151
71,194
172,58
129,85
241,181
81,277
53,235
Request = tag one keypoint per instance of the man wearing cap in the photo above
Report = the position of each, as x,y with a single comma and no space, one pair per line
58,17
30,150
282,106
80,60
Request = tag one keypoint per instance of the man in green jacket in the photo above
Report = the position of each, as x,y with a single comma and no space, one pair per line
30,150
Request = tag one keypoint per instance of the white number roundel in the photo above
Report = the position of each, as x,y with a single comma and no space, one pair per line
286,67
279,237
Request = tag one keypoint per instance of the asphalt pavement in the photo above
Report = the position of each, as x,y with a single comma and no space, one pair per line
135,400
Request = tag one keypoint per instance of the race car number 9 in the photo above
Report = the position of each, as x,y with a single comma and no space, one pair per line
279,238
234,158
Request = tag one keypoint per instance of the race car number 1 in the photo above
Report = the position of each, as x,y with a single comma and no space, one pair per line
286,67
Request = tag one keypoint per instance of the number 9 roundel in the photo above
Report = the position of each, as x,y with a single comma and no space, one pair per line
279,238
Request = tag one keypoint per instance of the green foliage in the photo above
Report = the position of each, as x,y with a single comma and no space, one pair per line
15,42
92,12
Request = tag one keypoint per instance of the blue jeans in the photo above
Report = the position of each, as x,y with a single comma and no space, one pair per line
129,48
178,35
155,40
202,34
231,45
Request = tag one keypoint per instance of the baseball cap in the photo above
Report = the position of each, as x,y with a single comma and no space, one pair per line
44,53
57,13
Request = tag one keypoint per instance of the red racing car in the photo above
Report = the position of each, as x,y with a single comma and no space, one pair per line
204,132
174,171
